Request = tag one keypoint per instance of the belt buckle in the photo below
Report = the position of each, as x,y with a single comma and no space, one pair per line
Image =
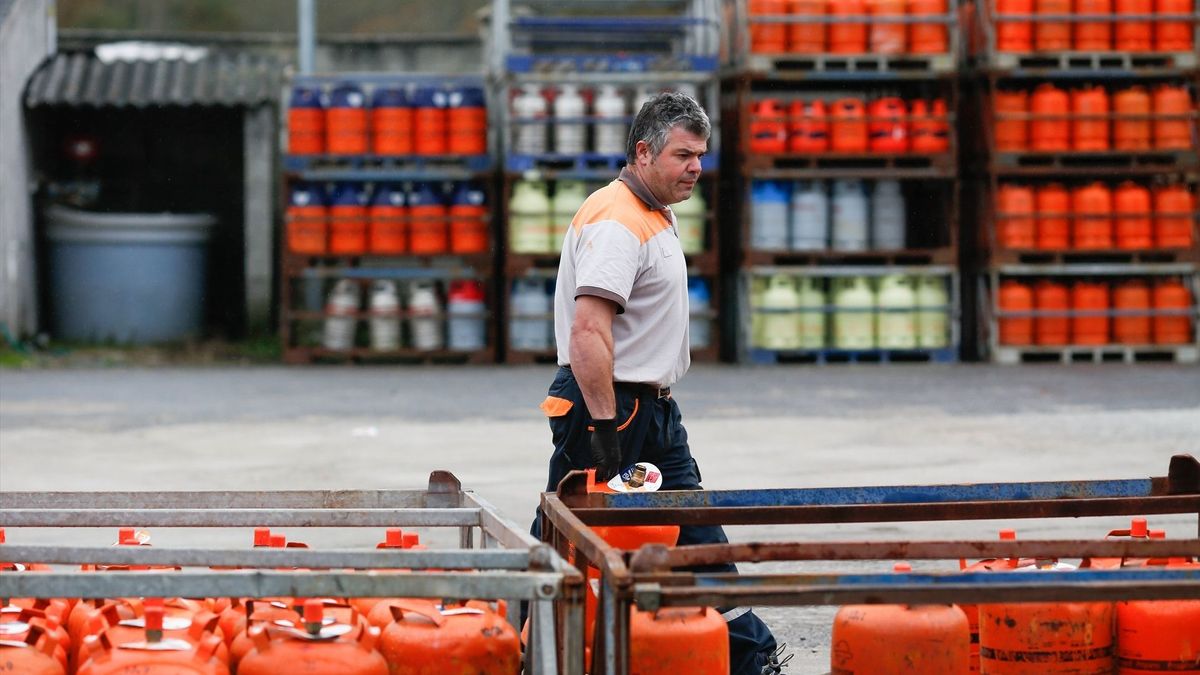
662,392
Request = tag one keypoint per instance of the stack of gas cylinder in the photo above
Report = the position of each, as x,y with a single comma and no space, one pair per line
1096,311
857,31
848,125
408,315
801,215
1108,32
1126,637
392,120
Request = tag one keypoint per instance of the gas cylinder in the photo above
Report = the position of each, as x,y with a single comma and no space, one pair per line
928,38
430,118
153,657
333,648
1052,36
1172,329
853,313
986,565
16,623
768,127
346,120
529,327
1089,132
466,120
1015,296
642,95
768,38
1014,216
466,328
848,36
530,222
1174,35
1088,296
933,313
689,218
809,216
810,294
340,322
849,222
1051,296
176,620
348,219
306,122
610,128
570,131
468,218
1053,225
930,127
1049,130
1133,36
806,38
888,128
280,612
1131,128
1093,36
1172,134
1159,636
426,639
388,216
530,129
32,654
307,219
896,320
428,233
569,195
385,316
425,326
1174,216
848,130
692,640
1014,36
781,320
888,216
769,215
699,323
1132,206
391,122
758,288
887,38
1132,295
808,127
1093,209
1011,134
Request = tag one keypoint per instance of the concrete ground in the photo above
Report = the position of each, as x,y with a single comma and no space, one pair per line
344,427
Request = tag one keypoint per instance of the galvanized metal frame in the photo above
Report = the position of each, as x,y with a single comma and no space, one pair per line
646,577
507,562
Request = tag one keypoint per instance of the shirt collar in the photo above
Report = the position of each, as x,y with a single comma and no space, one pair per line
637,187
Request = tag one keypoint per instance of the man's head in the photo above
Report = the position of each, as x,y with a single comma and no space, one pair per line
668,137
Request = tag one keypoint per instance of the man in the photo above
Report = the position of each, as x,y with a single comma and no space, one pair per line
621,324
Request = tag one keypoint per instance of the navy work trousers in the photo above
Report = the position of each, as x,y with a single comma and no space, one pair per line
651,430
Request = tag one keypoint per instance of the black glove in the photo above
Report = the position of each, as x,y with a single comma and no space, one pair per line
606,449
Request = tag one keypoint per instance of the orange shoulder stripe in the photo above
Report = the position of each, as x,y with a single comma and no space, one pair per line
616,202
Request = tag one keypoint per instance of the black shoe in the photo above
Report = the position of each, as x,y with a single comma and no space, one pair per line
776,661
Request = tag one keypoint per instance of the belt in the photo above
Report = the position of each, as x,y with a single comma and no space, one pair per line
642,387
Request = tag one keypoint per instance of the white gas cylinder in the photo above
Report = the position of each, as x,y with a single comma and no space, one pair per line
689,217
896,325
810,295
781,320
530,222
425,326
529,127
888,219
849,226
385,316
569,195
611,130
769,215
570,131
853,313
340,322
530,326
810,216
933,321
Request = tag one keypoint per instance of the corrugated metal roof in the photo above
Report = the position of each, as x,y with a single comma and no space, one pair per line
81,79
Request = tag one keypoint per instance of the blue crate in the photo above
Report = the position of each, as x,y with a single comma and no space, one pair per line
609,63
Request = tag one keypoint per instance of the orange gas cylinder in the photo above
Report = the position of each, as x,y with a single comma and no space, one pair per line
1093,36
930,127
848,36
927,38
1050,128
1052,36
1174,217
1089,107
319,648
1133,36
1012,135
126,620
466,121
1132,204
1172,129
16,623
1131,129
1051,296
768,127
391,122
1138,529
307,220
888,128
887,38
424,639
32,654
986,565
1092,206
768,38
1042,638
1014,216
1053,204
430,121
153,651
848,131
1159,636
428,230
257,613
807,38
1014,36
388,218
1089,329
1173,35
346,120
1132,295
306,122
1016,296
468,215
348,220
808,127
1176,328
693,640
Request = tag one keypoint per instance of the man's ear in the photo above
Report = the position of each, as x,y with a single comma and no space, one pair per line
642,149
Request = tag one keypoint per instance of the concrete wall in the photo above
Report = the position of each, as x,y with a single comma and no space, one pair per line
27,35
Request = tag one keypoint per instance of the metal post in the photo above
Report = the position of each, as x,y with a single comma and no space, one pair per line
306,15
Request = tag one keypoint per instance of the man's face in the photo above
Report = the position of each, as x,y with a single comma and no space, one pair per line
672,175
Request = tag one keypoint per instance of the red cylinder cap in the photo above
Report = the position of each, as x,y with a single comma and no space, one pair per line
125,533
1006,535
1137,527
902,567
278,541
411,539
394,537
154,616
1157,534
314,610
1,535
262,536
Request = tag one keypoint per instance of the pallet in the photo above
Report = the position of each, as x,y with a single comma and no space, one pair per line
907,257
610,63
603,166
1179,160
1097,354
850,66
829,356
362,355
854,165
388,163
1091,63
1004,256
382,266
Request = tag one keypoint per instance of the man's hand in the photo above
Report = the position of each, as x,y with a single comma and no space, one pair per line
606,449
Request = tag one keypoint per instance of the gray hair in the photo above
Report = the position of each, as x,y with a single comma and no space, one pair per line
661,114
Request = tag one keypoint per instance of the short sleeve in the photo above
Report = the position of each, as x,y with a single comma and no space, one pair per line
606,261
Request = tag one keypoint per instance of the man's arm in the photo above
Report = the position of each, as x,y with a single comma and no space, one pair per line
591,351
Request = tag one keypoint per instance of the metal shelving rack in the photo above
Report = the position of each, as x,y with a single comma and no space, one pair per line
305,278
657,43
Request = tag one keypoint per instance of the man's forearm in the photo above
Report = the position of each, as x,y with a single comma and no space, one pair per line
592,366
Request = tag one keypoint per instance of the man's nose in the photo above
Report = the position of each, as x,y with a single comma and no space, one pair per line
693,165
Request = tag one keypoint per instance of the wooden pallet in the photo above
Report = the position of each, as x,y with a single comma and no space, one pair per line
1006,256
362,355
896,65
907,258
1094,61
1098,354
871,356
1147,159
830,163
